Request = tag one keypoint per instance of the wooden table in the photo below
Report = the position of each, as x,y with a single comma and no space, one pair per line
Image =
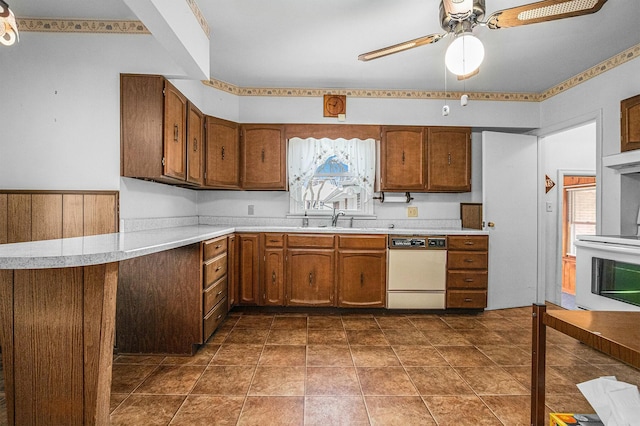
614,333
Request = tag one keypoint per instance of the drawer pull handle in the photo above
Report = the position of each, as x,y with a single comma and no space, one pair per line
469,243
195,144
175,133
468,299
262,155
469,260
468,280
218,246
273,277
218,268
361,279
310,278
402,157
273,241
218,317
223,152
219,293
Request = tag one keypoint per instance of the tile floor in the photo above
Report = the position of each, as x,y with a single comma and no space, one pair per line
299,369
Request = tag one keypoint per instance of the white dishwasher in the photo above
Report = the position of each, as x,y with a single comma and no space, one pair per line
417,272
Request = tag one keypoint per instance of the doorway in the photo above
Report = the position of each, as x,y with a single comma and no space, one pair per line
578,218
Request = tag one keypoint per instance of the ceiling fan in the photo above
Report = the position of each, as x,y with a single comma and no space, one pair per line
458,18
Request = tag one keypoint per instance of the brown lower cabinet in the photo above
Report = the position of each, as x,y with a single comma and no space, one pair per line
467,271
312,270
172,301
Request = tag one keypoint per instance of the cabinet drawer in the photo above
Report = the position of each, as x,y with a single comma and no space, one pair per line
362,241
467,260
468,242
467,279
274,240
310,241
466,299
214,270
215,293
213,248
214,318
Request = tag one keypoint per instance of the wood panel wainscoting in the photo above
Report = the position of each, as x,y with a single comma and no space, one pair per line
57,325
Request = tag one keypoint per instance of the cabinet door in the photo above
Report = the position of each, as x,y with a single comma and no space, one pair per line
195,145
273,277
232,271
402,158
310,277
362,279
222,159
249,270
263,157
449,159
175,118
630,124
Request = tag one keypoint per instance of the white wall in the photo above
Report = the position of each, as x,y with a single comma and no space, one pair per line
574,150
599,96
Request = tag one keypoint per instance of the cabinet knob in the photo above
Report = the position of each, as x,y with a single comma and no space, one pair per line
195,144
175,133
273,277
310,278
491,224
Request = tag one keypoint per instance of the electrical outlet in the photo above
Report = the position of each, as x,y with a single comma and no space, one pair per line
250,209
549,207
412,212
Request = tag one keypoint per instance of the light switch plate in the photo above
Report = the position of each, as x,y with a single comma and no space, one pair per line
412,212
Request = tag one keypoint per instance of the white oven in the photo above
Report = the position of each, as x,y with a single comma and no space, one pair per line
600,262
417,272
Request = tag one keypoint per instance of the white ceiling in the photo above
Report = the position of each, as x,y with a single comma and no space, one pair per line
315,43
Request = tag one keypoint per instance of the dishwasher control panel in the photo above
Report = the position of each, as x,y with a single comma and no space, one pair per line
413,242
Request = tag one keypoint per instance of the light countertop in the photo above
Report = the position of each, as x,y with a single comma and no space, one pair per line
106,248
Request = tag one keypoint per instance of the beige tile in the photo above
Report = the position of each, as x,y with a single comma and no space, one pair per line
283,355
225,380
255,321
395,323
405,337
463,323
464,356
323,410
322,322
287,336
237,354
506,355
248,336
366,337
483,337
438,381
265,410
445,338
510,409
491,381
374,356
202,357
416,356
429,323
329,356
146,410
126,377
379,381
287,322
332,381
171,380
326,337
359,323
206,410
398,411
460,411
278,381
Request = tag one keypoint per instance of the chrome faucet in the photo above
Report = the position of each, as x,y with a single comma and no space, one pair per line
334,217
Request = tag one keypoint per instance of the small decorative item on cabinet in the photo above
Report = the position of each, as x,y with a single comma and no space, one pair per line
467,271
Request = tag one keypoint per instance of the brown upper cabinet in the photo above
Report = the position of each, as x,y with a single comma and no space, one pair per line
449,159
153,117
263,156
195,145
630,124
402,158
223,149
425,159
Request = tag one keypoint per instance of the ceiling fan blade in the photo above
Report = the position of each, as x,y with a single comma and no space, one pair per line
542,11
401,47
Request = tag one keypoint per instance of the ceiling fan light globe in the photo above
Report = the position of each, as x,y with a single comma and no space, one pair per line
464,54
